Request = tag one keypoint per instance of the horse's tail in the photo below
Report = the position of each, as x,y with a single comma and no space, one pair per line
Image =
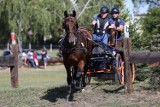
86,31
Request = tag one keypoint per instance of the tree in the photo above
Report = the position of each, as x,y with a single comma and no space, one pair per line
20,15
150,25
152,3
44,17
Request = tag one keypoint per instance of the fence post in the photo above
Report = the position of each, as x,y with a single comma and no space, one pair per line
14,69
127,49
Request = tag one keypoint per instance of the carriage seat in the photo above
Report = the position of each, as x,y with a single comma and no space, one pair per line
101,50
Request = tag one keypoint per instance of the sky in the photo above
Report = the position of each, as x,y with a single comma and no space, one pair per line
141,8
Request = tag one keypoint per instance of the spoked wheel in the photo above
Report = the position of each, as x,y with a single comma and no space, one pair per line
119,70
133,70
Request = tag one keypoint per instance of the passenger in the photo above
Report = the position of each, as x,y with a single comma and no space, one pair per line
119,25
44,57
100,23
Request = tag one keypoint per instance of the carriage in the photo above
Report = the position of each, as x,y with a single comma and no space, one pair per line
108,63
84,58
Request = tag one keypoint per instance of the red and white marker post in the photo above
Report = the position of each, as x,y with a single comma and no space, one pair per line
13,38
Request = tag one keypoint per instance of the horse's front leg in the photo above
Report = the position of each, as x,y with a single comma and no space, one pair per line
69,77
69,80
79,72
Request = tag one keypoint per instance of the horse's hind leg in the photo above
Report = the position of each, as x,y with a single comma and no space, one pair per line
84,75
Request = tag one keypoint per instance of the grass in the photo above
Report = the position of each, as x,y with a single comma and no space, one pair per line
47,88
33,85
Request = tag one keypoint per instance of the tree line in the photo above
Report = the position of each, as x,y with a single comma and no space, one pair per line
36,21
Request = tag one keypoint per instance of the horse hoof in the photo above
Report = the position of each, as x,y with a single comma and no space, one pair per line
83,90
69,98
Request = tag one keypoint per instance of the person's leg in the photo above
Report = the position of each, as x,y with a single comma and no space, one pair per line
36,62
32,63
119,42
45,62
94,37
25,60
105,39
100,38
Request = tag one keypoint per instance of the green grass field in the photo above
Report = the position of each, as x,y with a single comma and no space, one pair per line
33,83
48,88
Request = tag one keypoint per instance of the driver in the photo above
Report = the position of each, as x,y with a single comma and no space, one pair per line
100,23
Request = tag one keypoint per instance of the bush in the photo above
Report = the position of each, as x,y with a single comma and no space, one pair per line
155,78
141,77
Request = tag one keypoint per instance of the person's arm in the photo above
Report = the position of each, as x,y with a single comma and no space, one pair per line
112,26
94,21
42,52
121,26
111,22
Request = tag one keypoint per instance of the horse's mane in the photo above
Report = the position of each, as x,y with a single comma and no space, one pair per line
86,30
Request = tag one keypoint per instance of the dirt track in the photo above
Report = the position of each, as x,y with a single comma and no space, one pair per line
105,95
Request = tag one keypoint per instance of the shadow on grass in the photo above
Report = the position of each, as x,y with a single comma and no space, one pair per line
115,90
53,94
98,84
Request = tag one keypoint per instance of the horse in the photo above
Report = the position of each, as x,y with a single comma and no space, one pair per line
76,52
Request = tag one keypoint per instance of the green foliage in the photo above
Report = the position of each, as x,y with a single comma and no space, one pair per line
156,69
151,2
150,25
141,77
151,22
44,17
155,78
139,68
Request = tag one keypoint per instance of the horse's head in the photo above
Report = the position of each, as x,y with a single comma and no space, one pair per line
70,25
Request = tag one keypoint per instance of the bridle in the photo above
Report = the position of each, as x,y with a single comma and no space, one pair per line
71,19
75,33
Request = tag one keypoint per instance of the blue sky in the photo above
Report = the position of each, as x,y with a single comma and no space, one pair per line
141,9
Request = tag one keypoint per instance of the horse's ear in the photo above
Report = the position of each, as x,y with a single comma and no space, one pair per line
65,13
74,13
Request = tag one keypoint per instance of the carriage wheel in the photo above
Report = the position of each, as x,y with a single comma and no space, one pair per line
119,70
133,70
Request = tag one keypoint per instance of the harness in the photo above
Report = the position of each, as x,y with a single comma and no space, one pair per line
66,47
76,47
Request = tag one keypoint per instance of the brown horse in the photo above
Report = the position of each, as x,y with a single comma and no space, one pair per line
76,52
